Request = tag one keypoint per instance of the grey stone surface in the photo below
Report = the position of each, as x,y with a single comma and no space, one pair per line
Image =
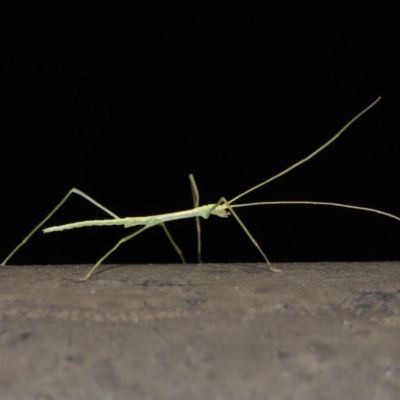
316,331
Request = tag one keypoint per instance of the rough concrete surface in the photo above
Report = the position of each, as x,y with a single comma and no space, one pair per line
316,331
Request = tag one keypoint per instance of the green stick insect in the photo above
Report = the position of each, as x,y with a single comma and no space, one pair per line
223,208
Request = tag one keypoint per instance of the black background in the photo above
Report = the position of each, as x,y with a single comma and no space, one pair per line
125,108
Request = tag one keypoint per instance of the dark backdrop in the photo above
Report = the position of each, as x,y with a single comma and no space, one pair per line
125,109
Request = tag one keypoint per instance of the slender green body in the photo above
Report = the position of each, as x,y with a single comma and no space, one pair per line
203,211
223,208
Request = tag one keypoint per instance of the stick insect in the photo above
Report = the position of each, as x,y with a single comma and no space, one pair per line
223,208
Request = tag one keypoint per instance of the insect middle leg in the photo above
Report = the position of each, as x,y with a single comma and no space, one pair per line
123,240
196,203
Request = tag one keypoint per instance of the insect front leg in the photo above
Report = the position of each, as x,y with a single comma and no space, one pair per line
225,202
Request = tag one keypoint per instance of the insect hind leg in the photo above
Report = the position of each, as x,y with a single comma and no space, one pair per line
97,204
52,212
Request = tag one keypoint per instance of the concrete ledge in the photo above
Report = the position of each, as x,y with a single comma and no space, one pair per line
210,331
